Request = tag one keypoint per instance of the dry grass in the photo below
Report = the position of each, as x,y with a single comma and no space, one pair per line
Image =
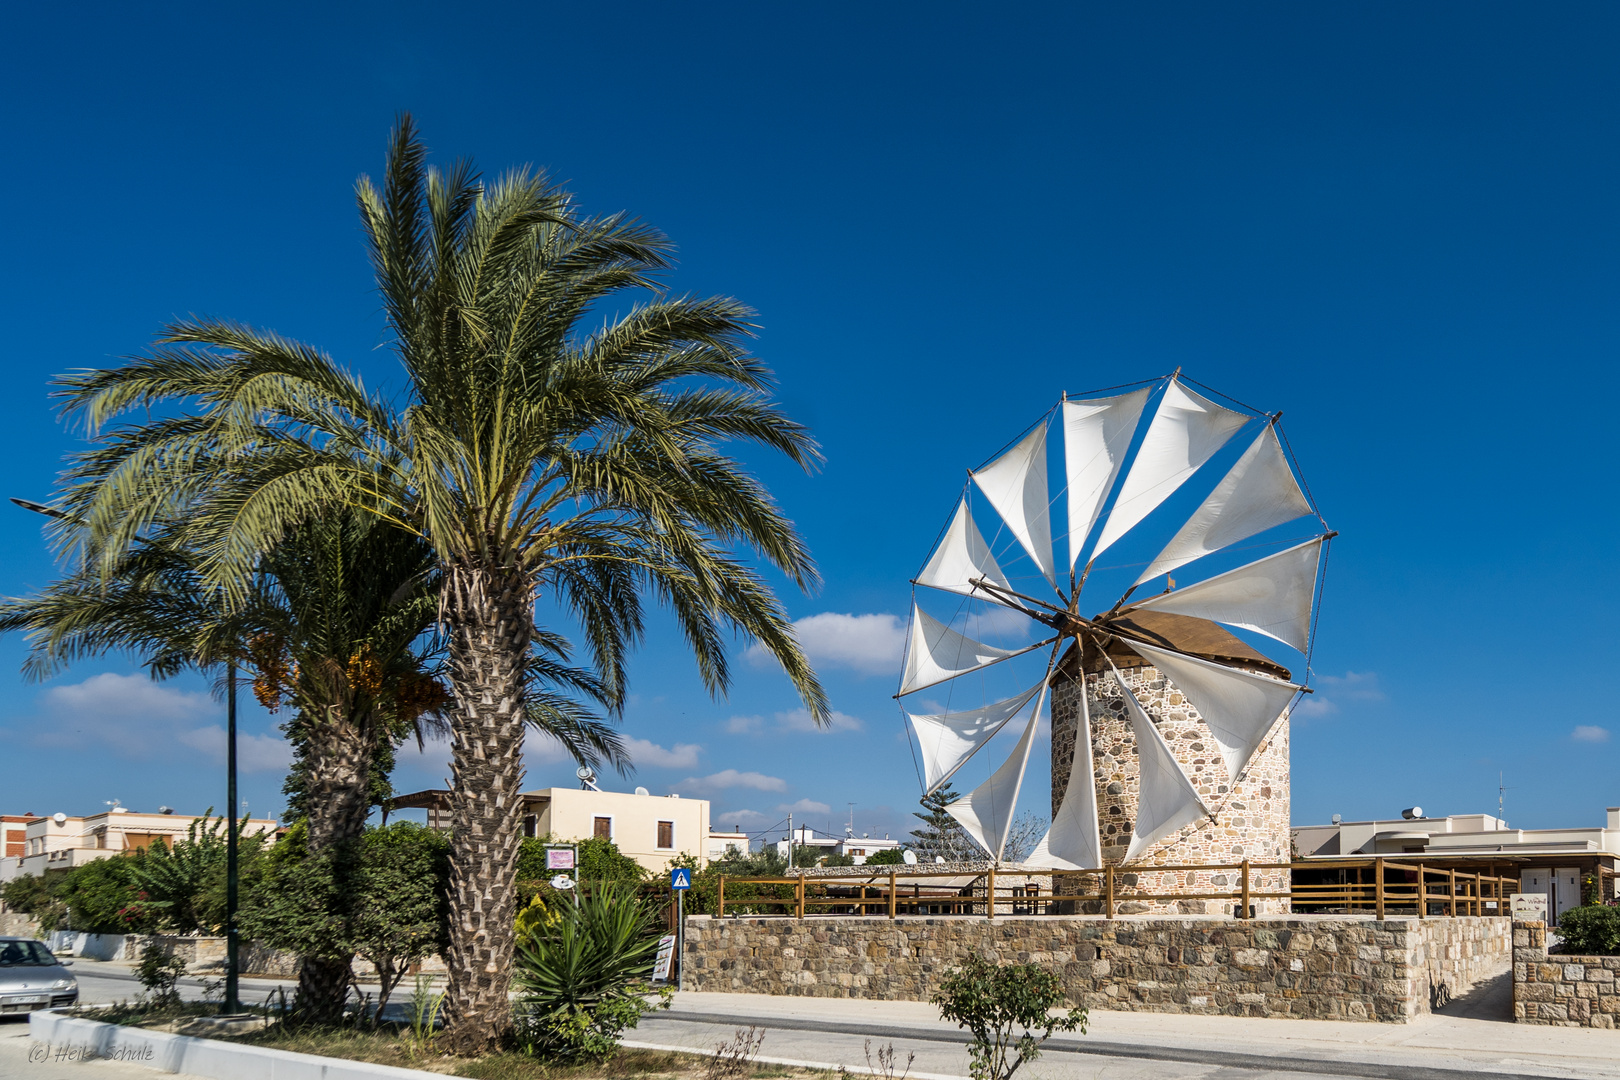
394,1045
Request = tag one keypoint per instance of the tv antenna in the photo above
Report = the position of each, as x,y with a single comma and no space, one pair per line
1501,799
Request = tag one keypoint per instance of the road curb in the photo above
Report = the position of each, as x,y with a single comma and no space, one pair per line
1140,1051
212,1059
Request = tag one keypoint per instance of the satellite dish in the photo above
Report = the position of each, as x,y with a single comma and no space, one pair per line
642,791
939,858
909,858
59,817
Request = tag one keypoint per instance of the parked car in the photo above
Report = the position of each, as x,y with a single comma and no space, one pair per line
31,977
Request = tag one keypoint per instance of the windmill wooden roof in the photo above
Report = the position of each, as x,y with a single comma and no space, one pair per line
1183,633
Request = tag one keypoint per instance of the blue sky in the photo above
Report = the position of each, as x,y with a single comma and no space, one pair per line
1394,222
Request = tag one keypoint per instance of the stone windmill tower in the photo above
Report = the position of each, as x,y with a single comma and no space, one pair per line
1169,730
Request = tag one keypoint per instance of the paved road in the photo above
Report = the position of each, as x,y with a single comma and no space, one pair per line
103,983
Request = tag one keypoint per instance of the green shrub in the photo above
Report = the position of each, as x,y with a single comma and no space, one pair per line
1591,931
39,897
159,974
991,1001
891,857
103,897
582,978
383,897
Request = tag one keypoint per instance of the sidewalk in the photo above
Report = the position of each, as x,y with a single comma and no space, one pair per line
1474,1036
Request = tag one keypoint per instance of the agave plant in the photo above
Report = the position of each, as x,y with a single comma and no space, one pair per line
582,974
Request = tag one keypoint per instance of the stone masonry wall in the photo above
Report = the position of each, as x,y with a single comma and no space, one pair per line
1251,816
1559,990
1317,967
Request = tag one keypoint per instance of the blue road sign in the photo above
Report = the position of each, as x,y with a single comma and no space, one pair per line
680,878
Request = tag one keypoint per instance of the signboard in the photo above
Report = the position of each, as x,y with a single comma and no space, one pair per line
562,881
559,858
1529,906
680,878
666,955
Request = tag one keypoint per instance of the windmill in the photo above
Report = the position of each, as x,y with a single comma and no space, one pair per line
1124,456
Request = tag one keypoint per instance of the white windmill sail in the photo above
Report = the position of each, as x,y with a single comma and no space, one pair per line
1015,484
947,740
1271,596
1072,842
1166,799
1096,434
1185,433
1240,707
1259,493
961,557
986,812
935,652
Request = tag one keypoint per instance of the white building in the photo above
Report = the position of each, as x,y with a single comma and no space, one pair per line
1551,861
860,847
60,842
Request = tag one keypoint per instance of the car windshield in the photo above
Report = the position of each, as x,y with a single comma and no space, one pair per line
25,954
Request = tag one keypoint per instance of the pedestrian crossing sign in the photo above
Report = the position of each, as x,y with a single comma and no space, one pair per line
680,878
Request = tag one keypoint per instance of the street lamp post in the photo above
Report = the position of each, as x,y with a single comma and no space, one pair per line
232,1003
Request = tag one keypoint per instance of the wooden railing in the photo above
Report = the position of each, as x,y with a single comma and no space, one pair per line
1380,886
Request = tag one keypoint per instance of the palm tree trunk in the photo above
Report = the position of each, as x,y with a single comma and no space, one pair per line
490,615
338,757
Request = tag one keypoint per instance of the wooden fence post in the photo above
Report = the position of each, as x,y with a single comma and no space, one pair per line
1378,887
1108,902
1245,904
799,890
891,894
1423,904
1453,892
720,901
990,895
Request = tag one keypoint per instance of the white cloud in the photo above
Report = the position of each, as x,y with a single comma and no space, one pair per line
731,778
868,644
681,756
744,725
1333,689
254,753
805,806
799,720
135,718
741,820
998,622
1590,733
1352,686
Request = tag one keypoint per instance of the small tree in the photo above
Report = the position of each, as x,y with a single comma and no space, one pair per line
992,1002
103,897
889,857
941,835
383,898
39,897
1027,830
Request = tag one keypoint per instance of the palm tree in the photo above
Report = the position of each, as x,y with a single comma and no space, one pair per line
333,626
536,458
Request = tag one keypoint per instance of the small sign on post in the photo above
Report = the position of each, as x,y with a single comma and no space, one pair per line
1528,906
559,858
680,878
666,956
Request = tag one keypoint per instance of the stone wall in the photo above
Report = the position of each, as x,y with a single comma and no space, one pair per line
1318,967
16,924
207,954
1251,816
1559,990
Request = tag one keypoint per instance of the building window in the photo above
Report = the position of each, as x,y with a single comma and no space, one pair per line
528,825
604,828
666,834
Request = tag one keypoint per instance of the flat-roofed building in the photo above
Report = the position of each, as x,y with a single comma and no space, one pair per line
60,842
